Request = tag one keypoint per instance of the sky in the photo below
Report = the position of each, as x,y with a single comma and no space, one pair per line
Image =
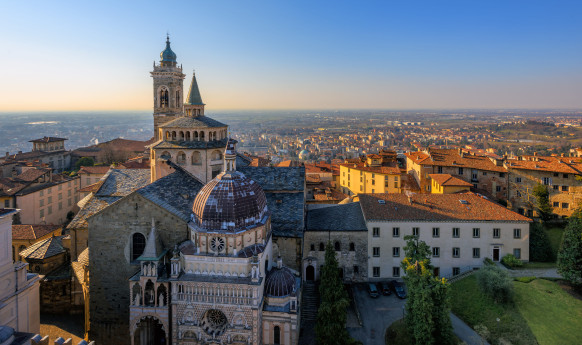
97,55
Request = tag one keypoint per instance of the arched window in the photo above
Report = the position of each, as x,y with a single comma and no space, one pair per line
173,135
181,158
167,135
337,246
312,247
201,136
196,158
277,335
182,135
164,98
188,136
321,247
138,242
352,247
196,138
177,98
216,155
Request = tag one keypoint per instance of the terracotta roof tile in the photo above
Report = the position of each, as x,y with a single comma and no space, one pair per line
99,169
32,232
448,180
392,170
565,165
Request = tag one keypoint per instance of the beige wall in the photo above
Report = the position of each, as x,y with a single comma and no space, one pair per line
445,242
49,205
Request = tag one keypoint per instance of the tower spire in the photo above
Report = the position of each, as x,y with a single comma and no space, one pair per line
194,105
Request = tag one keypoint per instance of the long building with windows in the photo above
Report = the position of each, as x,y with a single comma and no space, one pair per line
375,173
461,229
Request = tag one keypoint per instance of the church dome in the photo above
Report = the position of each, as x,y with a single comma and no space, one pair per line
168,55
230,202
280,282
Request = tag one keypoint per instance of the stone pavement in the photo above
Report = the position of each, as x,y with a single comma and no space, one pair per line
466,333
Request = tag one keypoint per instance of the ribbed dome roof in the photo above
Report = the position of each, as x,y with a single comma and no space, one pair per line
168,55
280,282
230,202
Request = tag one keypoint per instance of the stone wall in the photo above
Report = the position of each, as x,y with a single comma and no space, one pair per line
289,248
347,259
110,233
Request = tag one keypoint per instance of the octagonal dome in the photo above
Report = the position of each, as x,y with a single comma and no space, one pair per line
280,282
230,202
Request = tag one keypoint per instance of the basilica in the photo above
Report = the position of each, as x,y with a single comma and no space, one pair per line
200,249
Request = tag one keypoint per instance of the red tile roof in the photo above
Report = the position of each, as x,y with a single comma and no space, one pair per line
99,169
32,232
435,207
448,180
392,170
565,165
452,158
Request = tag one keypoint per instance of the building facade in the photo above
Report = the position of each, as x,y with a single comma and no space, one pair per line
376,173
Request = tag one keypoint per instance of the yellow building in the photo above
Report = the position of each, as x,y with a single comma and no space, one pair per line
447,184
379,173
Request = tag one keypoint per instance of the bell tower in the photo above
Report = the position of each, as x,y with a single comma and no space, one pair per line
168,89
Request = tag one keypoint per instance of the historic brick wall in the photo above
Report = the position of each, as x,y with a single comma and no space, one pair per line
347,259
110,235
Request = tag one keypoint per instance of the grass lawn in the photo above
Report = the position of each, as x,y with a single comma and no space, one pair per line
475,308
554,316
397,334
529,265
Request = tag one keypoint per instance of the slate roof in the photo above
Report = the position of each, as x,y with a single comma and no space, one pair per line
44,249
193,122
449,180
92,206
242,160
194,97
10,187
287,213
79,265
280,282
435,207
7,211
344,217
175,192
32,232
163,144
277,179
121,182
100,169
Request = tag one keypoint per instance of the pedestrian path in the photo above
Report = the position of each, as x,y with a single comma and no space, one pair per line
466,333
532,272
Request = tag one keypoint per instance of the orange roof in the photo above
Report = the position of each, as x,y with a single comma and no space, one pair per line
289,163
389,170
435,207
452,158
99,169
32,232
565,165
448,180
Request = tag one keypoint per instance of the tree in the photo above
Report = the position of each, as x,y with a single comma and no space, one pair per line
539,244
543,202
570,253
428,303
84,162
332,313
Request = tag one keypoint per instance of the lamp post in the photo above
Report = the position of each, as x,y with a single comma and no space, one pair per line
498,319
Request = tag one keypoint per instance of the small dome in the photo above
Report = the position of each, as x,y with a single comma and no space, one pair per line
230,202
168,55
303,154
280,282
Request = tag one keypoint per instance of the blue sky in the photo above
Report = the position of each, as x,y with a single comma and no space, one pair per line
81,55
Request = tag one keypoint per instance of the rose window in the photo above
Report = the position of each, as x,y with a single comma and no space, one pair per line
217,244
214,322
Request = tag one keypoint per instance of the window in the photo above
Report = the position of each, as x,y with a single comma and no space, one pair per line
41,213
546,181
460,171
474,176
456,252
321,247
415,232
556,187
565,205
49,200
496,233
456,232
439,169
312,247
396,271
277,335
60,205
337,246
361,188
49,210
87,181
456,271
556,204
484,173
356,269
565,175
518,194
436,232
520,211
396,251
42,193
517,253
565,188
376,251
436,251
60,196
69,192
476,232
352,247
373,182
376,271
41,203
7,203
60,187
501,174
138,242
395,232
518,180
476,252
516,233
376,232
498,188
49,190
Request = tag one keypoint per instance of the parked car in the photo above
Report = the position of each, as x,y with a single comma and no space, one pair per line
373,290
398,289
385,288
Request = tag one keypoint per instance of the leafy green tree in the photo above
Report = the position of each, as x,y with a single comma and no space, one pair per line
570,253
332,313
84,161
539,244
496,283
428,303
543,202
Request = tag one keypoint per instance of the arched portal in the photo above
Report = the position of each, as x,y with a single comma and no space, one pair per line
310,273
149,331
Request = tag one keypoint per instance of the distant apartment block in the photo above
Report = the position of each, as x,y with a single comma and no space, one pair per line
375,173
47,150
